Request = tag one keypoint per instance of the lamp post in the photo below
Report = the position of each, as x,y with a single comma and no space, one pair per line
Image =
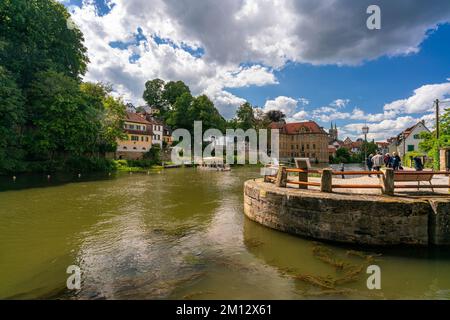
365,131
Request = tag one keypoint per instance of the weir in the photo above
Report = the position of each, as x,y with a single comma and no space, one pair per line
367,219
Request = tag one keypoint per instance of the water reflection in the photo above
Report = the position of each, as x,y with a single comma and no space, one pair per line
182,234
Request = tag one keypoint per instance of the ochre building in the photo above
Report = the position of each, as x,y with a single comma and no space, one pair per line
302,139
139,137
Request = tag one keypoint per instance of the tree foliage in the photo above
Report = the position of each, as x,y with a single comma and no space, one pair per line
11,119
431,145
38,35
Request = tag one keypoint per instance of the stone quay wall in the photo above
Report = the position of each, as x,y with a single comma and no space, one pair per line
349,218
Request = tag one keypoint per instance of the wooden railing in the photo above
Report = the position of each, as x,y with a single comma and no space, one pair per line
386,179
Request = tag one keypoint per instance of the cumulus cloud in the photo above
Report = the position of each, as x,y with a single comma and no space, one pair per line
422,100
287,105
262,35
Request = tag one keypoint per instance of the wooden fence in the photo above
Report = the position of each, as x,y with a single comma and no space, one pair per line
386,183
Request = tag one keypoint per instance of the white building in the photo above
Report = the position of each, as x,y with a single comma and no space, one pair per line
158,132
409,139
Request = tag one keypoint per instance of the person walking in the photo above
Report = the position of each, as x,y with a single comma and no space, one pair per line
418,165
369,163
396,161
387,160
378,161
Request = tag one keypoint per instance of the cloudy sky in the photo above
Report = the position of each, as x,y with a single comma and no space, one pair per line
312,59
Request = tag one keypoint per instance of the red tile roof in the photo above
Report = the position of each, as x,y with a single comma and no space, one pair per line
296,127
136,118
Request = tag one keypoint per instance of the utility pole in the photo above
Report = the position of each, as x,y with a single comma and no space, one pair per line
437,119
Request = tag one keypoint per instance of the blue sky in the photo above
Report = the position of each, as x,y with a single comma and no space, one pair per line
309,58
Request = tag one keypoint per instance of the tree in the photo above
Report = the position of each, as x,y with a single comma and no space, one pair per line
37,36
11,119
431,145
179,116
202,109
60,120
153,93
154,154
245,116
173,90
342,156
275,116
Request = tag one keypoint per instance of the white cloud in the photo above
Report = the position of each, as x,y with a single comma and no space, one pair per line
422,100
285,104
340,103
264,34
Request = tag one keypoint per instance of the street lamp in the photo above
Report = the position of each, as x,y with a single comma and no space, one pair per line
365,131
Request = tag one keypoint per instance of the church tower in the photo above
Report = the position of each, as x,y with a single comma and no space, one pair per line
333,132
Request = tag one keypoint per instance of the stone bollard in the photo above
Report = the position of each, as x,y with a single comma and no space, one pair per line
326,184
388,182
281,177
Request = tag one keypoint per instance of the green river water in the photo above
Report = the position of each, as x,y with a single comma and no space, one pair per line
182,234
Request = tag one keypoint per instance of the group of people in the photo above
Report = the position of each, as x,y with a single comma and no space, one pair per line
375,162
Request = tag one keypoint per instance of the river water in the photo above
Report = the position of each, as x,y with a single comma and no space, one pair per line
182,234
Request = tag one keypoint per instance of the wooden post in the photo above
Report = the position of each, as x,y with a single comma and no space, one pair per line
281,177
326,184
388,182
303,177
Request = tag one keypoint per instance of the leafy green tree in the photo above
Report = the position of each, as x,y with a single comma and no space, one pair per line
60,119
11,119
153,93
245,116
154,154
202,109
275,116
173,90
110,116
179,116
342,156
431,145
38,35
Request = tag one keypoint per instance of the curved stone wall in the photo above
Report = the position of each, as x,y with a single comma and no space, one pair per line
349,218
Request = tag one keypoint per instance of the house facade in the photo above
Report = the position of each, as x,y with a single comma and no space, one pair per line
138,139
409,140
302,139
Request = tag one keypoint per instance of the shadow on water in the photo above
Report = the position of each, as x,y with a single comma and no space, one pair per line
33,180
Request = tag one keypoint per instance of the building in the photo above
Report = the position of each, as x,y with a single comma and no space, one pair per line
383,147
158,132
302,139
409,139
139,137
167,136
333,133
353,146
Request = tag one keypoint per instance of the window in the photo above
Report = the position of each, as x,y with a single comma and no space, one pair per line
134,138
303,147
417,136
292,147
307,146
142,138
314,146
146,139
410,147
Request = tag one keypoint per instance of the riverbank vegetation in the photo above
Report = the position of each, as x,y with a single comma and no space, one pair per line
343,155
51,120
431,144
